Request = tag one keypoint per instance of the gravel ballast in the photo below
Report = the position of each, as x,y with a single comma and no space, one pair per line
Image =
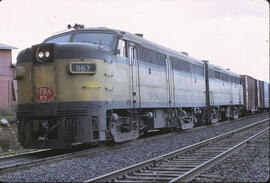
83,168
249,164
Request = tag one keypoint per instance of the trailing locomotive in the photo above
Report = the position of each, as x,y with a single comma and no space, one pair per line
98,84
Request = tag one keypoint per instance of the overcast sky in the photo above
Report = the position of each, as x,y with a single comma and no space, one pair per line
230,33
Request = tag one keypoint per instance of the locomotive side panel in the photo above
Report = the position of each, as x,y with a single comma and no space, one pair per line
183,89
153,85
219,90
198,90
215,92
119,84
226,93
237,93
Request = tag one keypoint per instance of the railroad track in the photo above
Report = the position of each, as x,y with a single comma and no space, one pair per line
184,164
245,165
24,160
45,156
6,161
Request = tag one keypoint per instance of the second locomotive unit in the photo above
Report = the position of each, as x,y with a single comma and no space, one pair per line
98,84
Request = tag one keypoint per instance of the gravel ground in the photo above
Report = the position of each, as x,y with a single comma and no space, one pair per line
249,164
82,168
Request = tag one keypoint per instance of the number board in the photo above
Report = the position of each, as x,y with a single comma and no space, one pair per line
82,68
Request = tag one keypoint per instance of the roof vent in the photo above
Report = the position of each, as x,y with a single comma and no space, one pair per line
185,53
228,69
139,34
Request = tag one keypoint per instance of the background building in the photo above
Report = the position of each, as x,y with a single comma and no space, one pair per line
8,86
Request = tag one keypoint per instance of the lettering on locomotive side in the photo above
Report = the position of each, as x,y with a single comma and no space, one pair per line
82,68
44,93
157,96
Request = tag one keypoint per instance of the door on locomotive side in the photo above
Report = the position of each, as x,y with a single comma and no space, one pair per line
134,76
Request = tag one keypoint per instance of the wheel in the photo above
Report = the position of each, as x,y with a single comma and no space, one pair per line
188,123
214,117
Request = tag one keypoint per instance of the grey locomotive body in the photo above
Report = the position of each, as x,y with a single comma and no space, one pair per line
103,84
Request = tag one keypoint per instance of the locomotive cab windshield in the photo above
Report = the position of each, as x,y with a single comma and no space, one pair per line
99,38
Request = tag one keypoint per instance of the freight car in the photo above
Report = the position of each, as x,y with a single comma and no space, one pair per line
256,94
98,84
249,93
266,89
262,95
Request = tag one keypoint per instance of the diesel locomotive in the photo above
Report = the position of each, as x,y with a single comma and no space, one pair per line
88,85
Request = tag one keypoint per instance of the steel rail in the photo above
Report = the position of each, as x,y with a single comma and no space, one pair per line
188,176
36,152
14,156
10,161
49,159
7,167
125,172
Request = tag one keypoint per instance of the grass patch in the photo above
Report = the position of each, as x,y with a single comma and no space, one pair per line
8,133
8,113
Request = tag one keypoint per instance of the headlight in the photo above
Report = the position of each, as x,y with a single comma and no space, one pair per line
40,55
47,54
44,53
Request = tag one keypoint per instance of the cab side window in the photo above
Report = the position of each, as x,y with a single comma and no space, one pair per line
122,47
